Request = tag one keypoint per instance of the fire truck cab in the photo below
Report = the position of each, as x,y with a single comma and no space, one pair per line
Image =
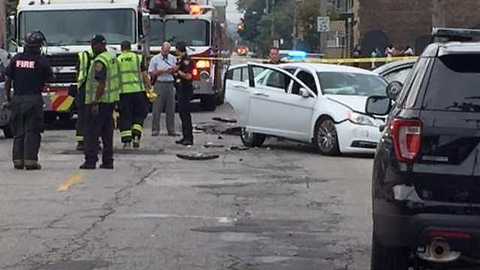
68,26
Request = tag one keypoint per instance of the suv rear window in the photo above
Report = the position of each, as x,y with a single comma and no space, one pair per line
454,84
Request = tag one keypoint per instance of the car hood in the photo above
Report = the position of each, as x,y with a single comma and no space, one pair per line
354,103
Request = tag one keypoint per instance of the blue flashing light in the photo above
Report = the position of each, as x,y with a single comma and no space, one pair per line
297,54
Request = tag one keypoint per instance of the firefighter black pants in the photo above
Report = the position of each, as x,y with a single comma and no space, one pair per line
99,124
133,111
27,124
80,104
184,95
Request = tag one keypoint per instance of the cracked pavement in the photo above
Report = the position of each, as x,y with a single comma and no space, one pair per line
278,207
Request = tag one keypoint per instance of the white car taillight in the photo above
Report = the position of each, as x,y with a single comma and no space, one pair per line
407,139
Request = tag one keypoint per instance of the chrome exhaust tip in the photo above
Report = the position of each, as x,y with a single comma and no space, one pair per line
438,251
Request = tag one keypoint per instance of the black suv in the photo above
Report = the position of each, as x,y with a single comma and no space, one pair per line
426,176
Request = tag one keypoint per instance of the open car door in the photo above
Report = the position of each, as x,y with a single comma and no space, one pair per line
272,109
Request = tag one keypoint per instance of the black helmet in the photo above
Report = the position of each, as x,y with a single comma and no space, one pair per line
35,39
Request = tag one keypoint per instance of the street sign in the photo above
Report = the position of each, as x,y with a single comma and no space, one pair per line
323,24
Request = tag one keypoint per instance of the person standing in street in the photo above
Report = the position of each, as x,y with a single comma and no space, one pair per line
84,62
274,57
184,75
133,99
161,69
101,93
28,72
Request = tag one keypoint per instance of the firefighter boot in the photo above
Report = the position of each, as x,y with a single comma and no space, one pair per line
32,165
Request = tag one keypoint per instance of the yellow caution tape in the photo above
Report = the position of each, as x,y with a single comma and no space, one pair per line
321,60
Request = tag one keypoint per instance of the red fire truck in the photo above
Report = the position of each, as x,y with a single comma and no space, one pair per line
200,26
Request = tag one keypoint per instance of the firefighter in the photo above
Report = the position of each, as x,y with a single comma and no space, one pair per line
101,94
85,59
184,86
133,100
28,71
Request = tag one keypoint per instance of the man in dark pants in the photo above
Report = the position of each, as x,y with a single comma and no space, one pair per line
184,77
133,99
28,71
101,93
84,60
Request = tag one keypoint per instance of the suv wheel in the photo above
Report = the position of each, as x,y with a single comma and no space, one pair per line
252,139
325,138
388,258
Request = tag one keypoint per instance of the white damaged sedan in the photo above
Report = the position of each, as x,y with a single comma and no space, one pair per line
312,103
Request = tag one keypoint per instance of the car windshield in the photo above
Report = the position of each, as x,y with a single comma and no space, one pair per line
77,27
351,84
454,84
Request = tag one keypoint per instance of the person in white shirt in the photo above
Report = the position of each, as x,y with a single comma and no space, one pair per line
161,69
408,51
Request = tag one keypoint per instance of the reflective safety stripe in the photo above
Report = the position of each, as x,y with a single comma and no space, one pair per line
126,133
79,138
83,63
137,127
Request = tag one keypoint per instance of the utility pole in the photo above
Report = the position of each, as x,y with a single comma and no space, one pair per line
439,16
323,36
3,20
295,24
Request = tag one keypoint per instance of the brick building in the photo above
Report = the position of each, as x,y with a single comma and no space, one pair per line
408,22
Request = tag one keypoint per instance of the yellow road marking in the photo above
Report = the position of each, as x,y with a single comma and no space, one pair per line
73,180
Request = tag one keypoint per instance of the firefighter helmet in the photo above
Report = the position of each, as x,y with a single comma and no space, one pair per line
35,39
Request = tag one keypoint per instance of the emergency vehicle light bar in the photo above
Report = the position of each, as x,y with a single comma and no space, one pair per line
454,34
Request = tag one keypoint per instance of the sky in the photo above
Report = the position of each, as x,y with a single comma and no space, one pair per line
232,13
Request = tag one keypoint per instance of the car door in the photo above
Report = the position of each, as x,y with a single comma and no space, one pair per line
304,106
273,109
237,92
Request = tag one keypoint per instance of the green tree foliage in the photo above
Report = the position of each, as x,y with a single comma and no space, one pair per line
258,26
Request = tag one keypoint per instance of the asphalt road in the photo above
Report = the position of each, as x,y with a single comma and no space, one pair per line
278,207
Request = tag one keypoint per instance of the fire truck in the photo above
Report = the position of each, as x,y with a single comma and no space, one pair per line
69,26
202,28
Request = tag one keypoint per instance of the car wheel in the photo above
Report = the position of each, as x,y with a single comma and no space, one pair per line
252,139
208,103
7,131
388,258
326,138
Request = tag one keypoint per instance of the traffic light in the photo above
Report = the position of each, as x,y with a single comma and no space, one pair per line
241,26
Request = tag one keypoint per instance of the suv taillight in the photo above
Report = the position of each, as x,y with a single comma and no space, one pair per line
407,139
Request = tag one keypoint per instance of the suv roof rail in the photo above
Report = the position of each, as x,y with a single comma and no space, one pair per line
440,34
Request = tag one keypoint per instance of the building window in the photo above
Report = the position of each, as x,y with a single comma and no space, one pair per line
336,39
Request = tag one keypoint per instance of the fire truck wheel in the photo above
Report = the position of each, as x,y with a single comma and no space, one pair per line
208,103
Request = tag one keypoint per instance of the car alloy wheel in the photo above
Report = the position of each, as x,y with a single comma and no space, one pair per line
252,139
326,138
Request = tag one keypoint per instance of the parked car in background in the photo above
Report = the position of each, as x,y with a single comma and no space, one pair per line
426,189
312,103
396,71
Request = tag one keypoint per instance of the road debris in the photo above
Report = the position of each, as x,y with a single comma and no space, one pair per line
213,145
239,148
198,156
225,120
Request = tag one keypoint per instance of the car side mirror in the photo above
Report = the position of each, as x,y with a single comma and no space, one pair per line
393,89
304,93
378,105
